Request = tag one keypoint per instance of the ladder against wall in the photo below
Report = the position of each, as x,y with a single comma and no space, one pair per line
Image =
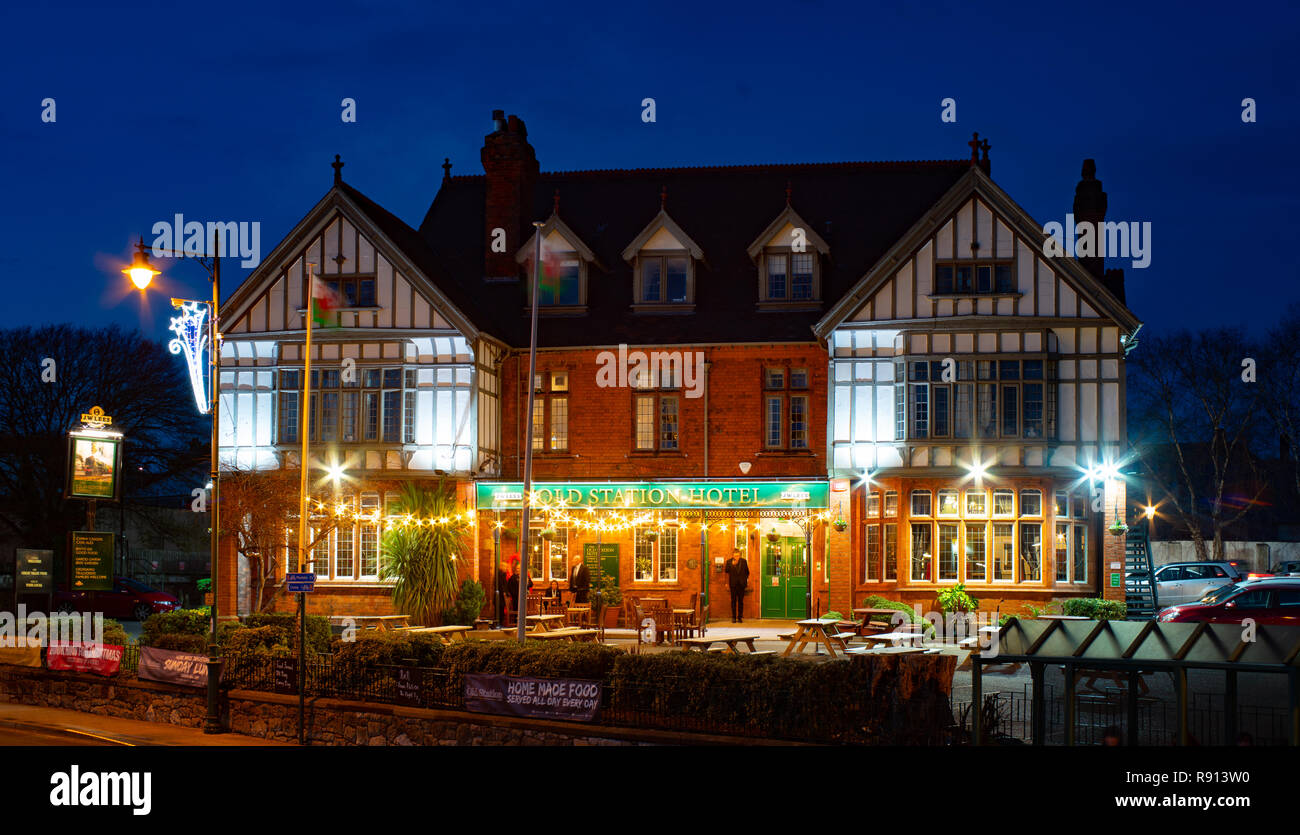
1139,585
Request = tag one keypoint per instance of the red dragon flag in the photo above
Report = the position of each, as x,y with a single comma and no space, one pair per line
325,304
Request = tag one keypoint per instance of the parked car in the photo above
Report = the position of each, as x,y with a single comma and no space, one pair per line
1288,567
1184,582
1268,600
128,599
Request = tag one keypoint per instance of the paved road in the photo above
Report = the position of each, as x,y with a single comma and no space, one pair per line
10,736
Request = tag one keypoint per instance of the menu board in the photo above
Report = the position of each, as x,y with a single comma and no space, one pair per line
34,571
285,673
92,560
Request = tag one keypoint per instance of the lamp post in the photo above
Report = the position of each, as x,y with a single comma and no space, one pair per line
141,274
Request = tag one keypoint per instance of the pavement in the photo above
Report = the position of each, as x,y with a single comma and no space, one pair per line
76,728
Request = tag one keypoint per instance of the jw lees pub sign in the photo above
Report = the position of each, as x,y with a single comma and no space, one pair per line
665,495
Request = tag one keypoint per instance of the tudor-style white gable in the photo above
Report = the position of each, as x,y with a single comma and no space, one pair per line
788,254
664,260
396,387
1036,345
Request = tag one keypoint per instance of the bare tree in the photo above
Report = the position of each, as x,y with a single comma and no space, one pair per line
1195,411
260,510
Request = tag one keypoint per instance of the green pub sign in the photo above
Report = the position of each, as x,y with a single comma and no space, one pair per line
664,495
92,561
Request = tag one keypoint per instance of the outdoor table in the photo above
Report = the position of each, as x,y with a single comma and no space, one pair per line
542,623
888,651
869,613
448,634
1060,617
894,639
382,623
704,644
814,632
568,634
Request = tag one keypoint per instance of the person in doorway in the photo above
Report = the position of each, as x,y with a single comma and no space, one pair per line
737,570
580,582
502,579
512,584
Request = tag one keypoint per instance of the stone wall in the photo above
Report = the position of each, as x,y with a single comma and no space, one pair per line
329,721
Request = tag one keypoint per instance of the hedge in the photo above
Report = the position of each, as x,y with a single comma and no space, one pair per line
877,602
1094,608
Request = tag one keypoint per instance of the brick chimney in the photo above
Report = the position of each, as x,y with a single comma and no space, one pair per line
1090,207
511,168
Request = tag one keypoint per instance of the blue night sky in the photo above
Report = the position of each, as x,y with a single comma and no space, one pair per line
232,112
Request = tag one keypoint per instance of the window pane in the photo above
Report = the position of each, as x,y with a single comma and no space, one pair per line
289,416
965,279
1004,503
798,422
559,424
643,564
918,371
1031,503
976,503
1003,552
567,289
947,552
798,378
801,285
1062,553
1080,554
873,505
920,411
1031,557
948,503
986,410
975,552
1033,410
676,279
539,424
943,279
651,269
939,411
920,502
772,418
408,417
961,411
1033,369
329,378
668,423
891,502
366,292
774,378
344,547
392,415
645,422
984,279
1010,418
922,555
320,552
1062,504
558,554
872,558
776,276
348,429
1002,275
372,415
891,552
369,530
668,554
559,381
329,416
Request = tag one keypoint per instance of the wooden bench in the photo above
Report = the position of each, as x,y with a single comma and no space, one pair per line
706,644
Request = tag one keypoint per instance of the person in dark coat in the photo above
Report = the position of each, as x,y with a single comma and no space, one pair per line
512,584
580,582
503,577
737,570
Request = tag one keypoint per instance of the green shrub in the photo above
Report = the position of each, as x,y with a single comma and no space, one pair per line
957,599
469,604
1095,608
179,622
114,634
832,616
318,627
878,602
259,638
388,648
534,658
179,642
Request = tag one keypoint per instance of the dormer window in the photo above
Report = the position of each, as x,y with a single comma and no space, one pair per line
561,282
791,276
788,254
664,261
664,279
562,286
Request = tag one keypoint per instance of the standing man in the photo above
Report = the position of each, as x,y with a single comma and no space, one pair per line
580,582
503,577
737,570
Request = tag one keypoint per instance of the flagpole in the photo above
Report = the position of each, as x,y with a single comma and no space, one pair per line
303,425
528,446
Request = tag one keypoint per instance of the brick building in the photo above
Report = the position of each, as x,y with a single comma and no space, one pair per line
728,357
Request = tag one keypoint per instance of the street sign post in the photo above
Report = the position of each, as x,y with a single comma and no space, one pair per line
300,583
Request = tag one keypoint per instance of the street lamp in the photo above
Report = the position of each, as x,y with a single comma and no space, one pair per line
141,274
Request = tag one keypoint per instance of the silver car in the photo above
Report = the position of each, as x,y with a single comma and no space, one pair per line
1185,582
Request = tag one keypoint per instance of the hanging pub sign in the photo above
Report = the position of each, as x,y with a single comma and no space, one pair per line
94,459
665,495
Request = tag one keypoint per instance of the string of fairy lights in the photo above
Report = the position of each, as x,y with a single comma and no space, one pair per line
562,515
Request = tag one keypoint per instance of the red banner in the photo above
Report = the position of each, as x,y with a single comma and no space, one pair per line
84,658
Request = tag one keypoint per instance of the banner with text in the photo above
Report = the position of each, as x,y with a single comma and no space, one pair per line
576,700
666,495
173,667
104,660
20,652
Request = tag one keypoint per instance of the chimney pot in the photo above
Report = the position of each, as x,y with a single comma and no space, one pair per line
498,120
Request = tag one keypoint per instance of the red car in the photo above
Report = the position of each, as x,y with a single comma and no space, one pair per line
128,599
1267,600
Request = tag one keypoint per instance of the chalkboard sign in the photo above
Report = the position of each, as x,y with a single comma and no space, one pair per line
408,686
34,569
608,559
92,560
285,671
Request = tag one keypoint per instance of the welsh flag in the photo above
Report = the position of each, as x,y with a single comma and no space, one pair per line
552,264
325,304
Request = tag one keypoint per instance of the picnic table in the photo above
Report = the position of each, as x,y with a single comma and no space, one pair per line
815,632
567,634
448,634
381,623
894,639
706,644
1060,617
543,623
878,650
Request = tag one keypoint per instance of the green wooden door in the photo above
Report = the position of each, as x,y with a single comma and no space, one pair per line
784,582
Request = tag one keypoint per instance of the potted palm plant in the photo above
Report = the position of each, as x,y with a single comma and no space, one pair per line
421,560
